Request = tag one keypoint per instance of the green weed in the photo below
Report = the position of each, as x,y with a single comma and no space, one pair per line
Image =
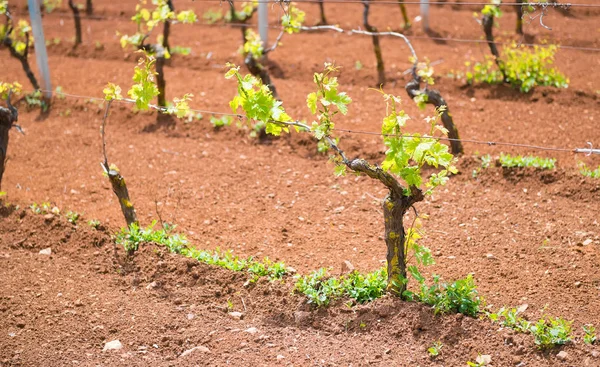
588,172
525,68
132,237
436,349
461,296
220,122
552,332
73,217
589,336
94,223
506,160
509,318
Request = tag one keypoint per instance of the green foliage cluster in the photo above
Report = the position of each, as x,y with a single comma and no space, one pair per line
589,336
588,172
291,22
94,223
508,161
509,317
7,87
552,332
321,289
147,19
548,333
72,217
212,15
144,90
131,238
44,208
460,296
525,68
219,122
18,33
50,5
256,269
436,349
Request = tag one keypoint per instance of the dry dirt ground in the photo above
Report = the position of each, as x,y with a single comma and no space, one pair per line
528,237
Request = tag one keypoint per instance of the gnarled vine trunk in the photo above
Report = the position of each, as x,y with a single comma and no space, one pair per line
323,21
120,189
167,28
488,28
160,79
23,58
77,19
394,209
395,206
89,8
376,46
413,88
116,180
8,116
404,14
519,8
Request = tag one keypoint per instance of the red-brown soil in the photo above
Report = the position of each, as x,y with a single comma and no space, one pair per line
520,232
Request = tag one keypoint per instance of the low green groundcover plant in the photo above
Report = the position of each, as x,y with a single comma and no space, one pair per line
321,289
506,160
548,332
460,296
588,172
524,67
552,332
132,237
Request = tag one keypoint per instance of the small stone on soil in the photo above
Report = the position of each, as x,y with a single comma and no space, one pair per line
199,348
251,330
347,267
46,251
562,355
236,315
151,285
112,345
280,357
587,242
484,359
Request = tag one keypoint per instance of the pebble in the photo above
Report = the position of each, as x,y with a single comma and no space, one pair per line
301,317
347,267
595,354
280,357
484,359
251,330
199,348
46,251
562,355
151,285
112,345
339,209
587,242
236,315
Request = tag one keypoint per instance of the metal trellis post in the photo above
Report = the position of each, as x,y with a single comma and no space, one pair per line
39,43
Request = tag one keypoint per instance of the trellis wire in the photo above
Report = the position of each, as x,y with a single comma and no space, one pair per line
587,151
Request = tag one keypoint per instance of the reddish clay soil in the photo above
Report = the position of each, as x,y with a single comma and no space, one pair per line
520,232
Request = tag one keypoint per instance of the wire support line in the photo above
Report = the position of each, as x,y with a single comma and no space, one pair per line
587,151
392,2
313,29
